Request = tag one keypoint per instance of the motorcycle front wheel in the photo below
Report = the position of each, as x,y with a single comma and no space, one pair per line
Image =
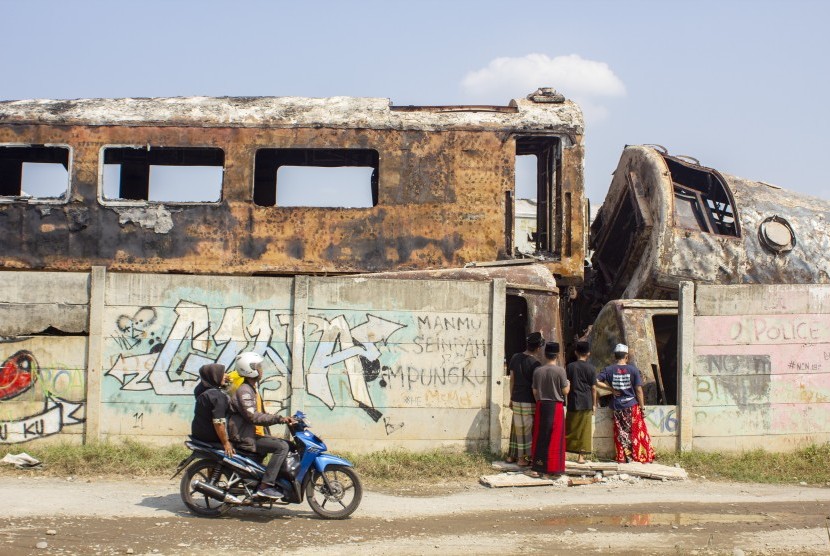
340,498
210,472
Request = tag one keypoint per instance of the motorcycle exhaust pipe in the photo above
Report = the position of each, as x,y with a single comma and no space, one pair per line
215,493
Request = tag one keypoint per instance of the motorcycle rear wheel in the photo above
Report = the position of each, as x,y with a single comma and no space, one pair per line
197,502
342,499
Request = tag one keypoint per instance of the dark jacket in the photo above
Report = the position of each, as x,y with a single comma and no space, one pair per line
245,417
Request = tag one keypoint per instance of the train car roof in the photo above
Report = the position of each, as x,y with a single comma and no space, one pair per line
536,113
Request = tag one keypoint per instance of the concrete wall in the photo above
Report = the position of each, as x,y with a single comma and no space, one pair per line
756,370
382,363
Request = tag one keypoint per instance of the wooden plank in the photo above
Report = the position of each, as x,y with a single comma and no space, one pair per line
653,471
502,480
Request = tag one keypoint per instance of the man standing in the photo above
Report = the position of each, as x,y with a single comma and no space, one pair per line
582,399
247,425
550,386
631,438
522,403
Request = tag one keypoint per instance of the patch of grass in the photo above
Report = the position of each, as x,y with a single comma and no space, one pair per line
103,458
427,473
757,466
402,471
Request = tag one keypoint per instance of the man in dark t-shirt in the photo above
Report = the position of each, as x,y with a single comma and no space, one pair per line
582,399
522,402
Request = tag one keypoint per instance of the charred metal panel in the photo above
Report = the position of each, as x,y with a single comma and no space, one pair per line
631,321
777,237
443,175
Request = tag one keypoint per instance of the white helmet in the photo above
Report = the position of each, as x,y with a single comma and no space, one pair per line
245,362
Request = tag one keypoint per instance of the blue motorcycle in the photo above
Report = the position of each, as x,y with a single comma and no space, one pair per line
213,483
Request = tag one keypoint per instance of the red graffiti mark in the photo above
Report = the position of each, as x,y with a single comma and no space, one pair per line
17,374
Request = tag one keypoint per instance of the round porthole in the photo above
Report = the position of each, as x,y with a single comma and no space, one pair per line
776,234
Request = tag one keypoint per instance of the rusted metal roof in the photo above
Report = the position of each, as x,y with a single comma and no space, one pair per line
294,112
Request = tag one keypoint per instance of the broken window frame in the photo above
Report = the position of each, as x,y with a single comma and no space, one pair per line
549,205
60,200
263,195
712,204
103,200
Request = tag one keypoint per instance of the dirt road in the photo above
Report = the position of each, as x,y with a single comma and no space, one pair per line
649,517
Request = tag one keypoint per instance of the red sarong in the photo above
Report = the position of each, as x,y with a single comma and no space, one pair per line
631,438
549,437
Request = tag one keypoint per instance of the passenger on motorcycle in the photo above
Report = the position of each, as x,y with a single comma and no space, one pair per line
248,422
212,408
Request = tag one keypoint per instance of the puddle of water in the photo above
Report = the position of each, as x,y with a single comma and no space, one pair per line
642,520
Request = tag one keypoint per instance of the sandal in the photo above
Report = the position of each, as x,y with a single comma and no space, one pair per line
533,474
524,463
509,460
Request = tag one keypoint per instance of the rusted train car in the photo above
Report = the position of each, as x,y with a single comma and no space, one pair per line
195,185
668,219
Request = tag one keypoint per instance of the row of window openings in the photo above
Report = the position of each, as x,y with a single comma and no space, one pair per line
282,177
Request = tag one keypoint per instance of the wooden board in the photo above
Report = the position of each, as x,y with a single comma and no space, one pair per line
513,479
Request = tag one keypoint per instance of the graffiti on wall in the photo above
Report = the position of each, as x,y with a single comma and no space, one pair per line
35,394
357,347
170,367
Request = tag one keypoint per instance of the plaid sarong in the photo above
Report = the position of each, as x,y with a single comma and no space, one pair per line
521,431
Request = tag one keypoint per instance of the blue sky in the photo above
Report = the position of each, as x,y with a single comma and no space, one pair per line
742,85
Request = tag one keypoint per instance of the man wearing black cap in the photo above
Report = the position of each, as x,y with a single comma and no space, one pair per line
582,400
550,386
522,403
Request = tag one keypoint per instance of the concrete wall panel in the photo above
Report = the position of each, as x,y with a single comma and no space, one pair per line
43,391
761,366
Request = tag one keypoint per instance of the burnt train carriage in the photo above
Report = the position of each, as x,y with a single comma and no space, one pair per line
438,184
196,185
668,218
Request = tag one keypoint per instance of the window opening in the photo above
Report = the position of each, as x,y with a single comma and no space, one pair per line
665,338
702,200
536,178
163,174
36,172
331,178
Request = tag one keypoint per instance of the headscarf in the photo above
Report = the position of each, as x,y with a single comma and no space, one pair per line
212,375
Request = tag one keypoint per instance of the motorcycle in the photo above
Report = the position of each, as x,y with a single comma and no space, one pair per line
213,483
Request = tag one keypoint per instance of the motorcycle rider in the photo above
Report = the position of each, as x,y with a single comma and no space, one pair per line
248,422
212,408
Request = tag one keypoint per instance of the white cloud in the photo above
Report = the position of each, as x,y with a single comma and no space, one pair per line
584,81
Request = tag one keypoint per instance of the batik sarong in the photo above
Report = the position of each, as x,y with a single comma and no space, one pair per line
579,431
549,437
521,432
631,439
